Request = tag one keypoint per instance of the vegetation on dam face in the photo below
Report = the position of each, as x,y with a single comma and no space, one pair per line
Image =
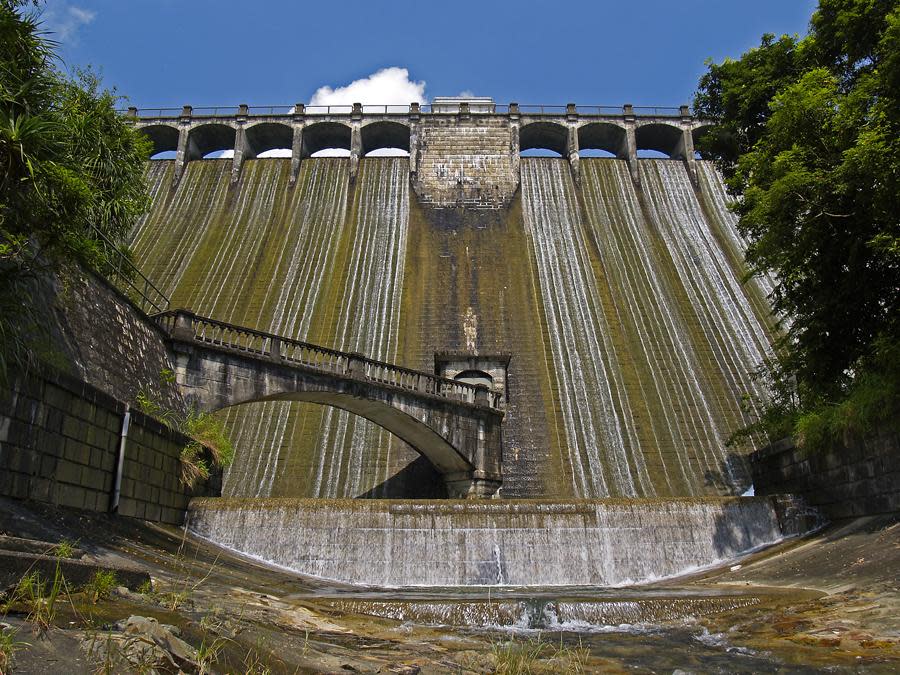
622,306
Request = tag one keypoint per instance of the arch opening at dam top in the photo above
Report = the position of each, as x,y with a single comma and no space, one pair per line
385,138
603,137
550,136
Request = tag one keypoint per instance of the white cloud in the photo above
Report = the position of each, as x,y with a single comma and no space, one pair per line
467,93
388,86
65,21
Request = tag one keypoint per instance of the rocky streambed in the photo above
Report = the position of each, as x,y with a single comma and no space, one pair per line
828,601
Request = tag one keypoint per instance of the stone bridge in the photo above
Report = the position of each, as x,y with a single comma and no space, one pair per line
462,152
455,425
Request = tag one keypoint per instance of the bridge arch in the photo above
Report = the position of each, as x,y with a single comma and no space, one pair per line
544,136
440,452
206,138
603,136
325,135
265,136
163,137
661,137
384,134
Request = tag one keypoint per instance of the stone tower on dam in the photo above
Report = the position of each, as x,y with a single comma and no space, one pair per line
600,296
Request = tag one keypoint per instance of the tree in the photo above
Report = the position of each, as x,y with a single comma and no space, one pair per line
70,166
808,136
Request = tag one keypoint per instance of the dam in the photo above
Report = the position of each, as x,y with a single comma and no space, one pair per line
609,288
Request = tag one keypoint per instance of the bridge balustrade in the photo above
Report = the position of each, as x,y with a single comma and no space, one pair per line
187,326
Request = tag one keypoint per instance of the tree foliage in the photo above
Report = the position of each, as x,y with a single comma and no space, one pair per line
69,167
808,136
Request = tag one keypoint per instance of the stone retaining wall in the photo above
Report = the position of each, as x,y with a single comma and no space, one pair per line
859,477
59,444
98,335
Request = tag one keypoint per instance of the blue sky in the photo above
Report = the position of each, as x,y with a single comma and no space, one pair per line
207,52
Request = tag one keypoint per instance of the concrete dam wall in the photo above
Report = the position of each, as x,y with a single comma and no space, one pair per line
617,296
509,542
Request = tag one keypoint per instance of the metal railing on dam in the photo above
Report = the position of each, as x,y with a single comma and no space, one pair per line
184,325
286,110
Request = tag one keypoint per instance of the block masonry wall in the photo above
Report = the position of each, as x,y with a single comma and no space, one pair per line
465,162
858,477
59,444
97,335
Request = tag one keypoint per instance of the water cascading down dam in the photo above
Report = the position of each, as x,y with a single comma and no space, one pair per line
600,297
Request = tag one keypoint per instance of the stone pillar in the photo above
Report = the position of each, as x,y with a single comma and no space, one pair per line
514,145
356,149
184,326
572,152
414,116
241,149
297,141
182,155
685,148
471,486
356,366
132,111
630,142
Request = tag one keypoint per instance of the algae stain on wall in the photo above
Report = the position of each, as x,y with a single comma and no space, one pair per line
255,254
630,334
469,287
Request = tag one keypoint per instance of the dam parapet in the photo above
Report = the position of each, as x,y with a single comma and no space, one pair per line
462,153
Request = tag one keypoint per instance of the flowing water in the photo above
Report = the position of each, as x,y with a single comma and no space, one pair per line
368,322
601,543
644,305
630,332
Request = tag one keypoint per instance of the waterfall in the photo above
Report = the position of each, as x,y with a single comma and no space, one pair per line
369,306
738,337
632,336
260,261
509,542
603,452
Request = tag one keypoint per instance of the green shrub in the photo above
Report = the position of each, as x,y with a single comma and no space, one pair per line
194,467
101,585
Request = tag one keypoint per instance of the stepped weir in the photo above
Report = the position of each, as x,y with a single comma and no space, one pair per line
594,304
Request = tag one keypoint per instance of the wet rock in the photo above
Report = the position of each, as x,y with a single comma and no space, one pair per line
143,635
402,669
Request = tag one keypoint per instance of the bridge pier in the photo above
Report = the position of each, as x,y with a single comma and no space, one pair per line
685,147
572,142
356,149
631,143
297,117
182,154
240,143
468,486
515,147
